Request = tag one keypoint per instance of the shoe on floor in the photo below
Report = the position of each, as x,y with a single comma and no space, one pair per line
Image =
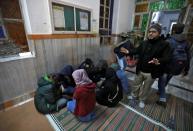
161,103
130,97
141,104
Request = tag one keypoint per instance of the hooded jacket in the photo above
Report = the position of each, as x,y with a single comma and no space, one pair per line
110,92
85,99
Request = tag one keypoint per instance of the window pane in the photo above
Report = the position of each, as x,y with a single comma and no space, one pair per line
102,11
141,8
83,20
106,24
101,1
107,3
63,17
101,23
107,12
144,22
137,20
69,18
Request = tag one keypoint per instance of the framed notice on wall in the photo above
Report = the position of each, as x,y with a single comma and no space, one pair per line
63,17
83,20
58,17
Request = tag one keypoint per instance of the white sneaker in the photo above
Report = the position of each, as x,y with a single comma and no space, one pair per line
141,104
130,97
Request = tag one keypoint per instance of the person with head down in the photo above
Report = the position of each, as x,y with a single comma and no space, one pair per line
84,97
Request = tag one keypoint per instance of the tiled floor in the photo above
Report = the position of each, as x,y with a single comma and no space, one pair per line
23,118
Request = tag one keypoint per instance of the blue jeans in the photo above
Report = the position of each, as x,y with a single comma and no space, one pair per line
71,105
122,62
162,83
124,80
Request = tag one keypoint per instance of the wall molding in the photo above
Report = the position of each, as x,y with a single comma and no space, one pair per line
59,36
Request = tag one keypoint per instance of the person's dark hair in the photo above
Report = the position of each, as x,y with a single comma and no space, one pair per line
58,79
86,64
178,28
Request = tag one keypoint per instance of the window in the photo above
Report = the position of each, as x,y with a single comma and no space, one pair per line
70,18
12,33
82,20
105,21
105,17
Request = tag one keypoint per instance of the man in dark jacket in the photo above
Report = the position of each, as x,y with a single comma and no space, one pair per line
179,62
153,54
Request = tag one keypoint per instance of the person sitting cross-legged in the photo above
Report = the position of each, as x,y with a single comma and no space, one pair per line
84,97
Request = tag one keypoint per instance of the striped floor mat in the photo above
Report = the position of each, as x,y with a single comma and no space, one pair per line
119,118
178,115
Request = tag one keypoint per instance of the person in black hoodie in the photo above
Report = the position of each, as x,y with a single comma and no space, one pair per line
153,54
110,92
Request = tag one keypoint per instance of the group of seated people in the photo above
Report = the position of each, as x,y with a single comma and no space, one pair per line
78,89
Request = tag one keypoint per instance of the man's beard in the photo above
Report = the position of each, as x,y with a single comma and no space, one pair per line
153,40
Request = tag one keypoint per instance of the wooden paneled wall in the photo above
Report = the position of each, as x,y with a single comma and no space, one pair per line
20,76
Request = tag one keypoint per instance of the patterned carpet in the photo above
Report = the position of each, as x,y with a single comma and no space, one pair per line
118,118
178,114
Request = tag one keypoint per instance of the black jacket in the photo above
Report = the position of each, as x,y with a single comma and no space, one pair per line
110,92
148,50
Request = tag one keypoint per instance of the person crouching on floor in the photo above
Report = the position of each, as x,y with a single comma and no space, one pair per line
48,96
110,92
84,98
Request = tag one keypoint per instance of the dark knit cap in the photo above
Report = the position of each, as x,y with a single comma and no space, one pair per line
178,28
156,26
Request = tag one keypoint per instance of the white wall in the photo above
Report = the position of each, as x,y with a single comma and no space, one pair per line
37,16
123,15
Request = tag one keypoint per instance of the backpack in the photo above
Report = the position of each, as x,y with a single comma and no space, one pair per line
179,56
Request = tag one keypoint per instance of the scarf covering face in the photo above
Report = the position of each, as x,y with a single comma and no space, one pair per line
80,77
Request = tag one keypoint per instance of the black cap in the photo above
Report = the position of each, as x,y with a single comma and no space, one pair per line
157,27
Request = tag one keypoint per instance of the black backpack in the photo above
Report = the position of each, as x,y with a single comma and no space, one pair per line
179,56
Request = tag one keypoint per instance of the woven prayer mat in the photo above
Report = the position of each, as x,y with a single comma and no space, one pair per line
117,118
178,114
